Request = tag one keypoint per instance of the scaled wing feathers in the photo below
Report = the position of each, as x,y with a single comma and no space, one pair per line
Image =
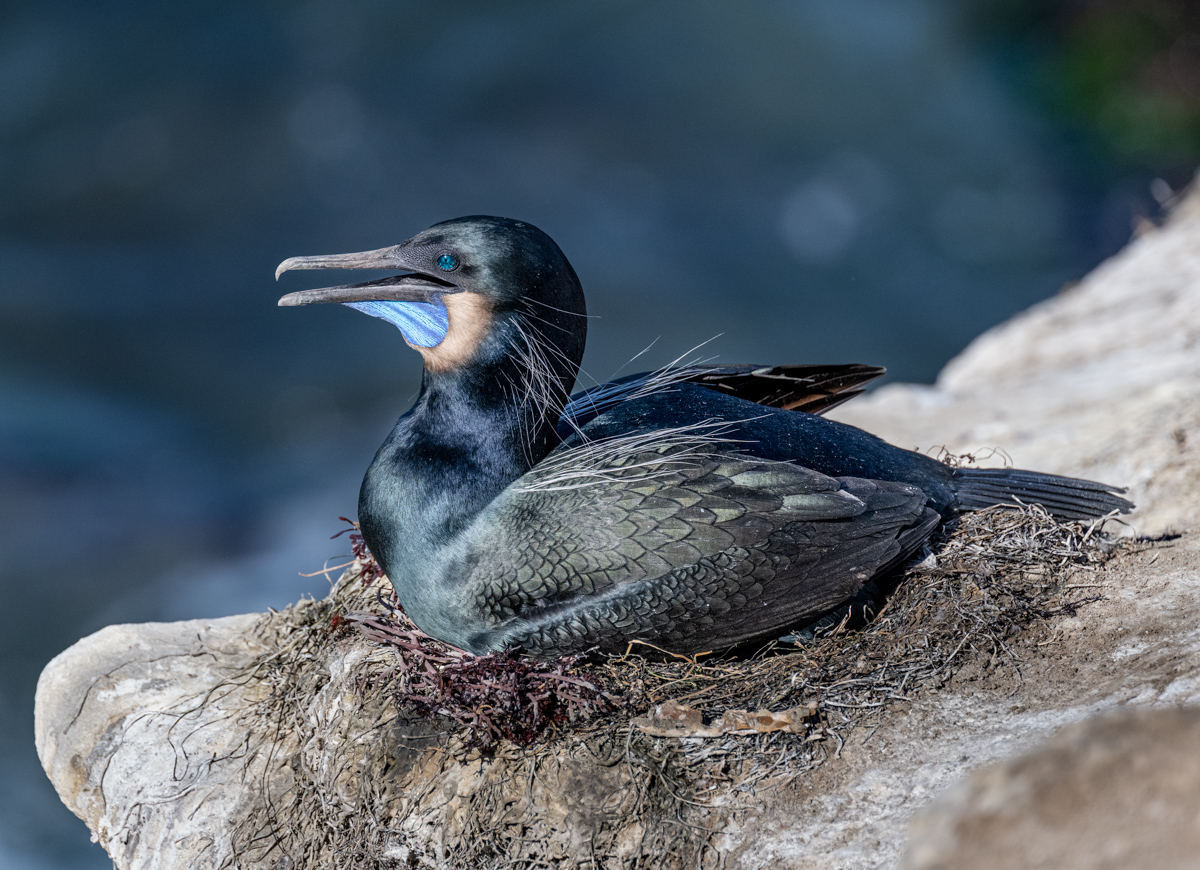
659,543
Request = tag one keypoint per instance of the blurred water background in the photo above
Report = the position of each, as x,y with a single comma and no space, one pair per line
815,180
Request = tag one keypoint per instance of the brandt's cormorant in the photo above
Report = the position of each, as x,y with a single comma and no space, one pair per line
693,508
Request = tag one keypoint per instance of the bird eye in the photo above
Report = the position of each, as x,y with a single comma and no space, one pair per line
447,262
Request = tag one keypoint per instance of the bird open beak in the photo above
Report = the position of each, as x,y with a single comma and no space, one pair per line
414,287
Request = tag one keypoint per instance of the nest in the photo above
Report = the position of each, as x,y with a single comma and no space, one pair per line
625,762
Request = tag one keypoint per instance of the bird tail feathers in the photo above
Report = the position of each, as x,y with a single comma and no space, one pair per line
1065,498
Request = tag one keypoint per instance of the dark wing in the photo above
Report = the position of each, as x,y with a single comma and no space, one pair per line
688,554
811,388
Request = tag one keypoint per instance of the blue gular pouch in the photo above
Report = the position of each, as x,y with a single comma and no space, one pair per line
424,324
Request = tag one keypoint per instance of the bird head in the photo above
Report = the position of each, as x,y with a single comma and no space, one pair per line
475,290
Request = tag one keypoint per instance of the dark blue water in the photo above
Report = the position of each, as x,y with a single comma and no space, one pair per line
817,180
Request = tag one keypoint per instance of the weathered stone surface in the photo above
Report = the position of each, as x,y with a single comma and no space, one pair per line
1110,792
121,734
1102,381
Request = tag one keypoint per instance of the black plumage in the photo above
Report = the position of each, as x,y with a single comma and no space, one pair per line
693,508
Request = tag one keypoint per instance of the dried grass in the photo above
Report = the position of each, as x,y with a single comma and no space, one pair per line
541,761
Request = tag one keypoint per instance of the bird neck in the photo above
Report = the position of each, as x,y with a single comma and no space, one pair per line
484,427
472,432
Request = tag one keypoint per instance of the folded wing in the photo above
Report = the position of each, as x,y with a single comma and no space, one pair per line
686,551
811,388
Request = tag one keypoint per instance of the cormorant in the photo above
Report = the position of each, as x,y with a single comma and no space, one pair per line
694,508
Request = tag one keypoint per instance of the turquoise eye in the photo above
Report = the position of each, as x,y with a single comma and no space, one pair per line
447,262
